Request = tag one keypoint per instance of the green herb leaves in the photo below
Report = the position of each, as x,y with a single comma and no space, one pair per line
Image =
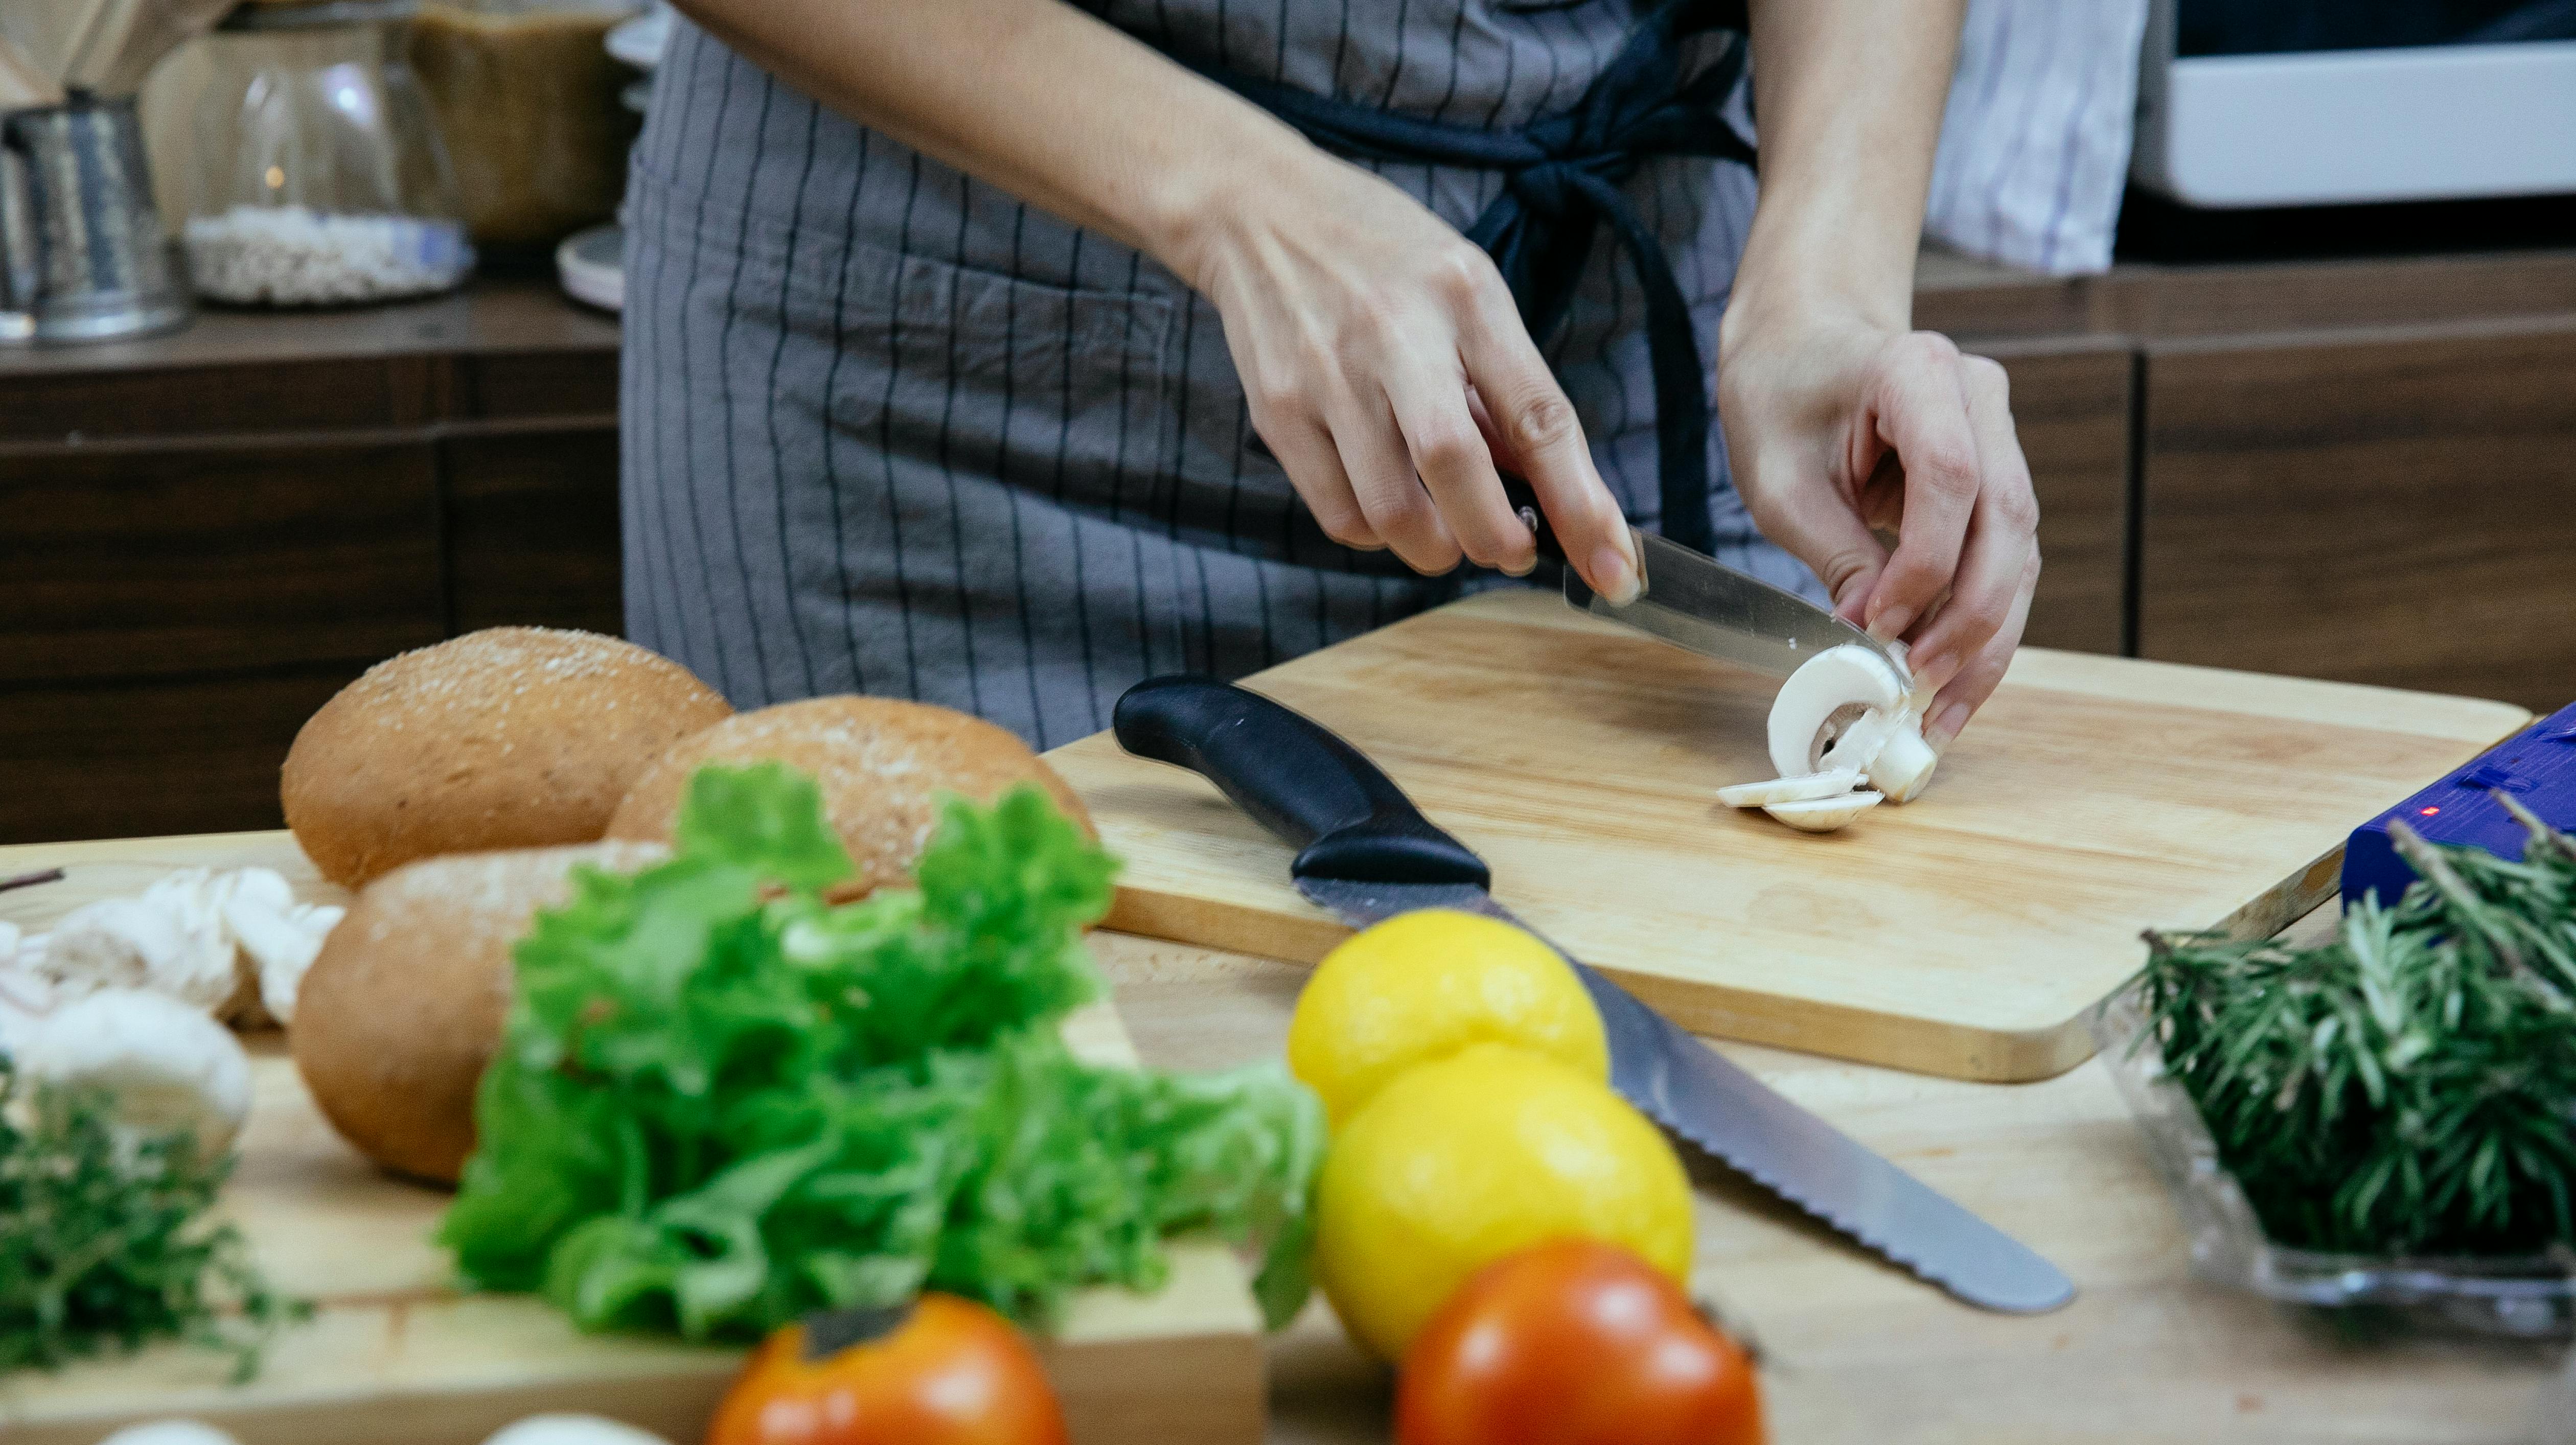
723,1101
104,1241
2410,1088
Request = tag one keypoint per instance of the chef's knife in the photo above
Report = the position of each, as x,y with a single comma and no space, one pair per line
1368,855
1701,604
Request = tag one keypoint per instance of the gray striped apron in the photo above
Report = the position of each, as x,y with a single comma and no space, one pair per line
887,429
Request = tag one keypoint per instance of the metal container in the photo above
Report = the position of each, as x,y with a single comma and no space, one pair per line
86,258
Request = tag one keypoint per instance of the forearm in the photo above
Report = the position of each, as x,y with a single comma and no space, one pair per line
1849,96
1033,96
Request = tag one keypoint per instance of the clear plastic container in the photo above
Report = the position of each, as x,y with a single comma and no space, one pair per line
322,176
527,96
2531,1297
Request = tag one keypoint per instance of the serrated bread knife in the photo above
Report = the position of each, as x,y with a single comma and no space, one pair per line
1368,855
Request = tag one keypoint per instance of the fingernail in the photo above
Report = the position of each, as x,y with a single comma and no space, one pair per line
1946,725
1614,576
1890,623
1935,673
1522,569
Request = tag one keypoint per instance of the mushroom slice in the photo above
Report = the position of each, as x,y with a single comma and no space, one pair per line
1832,783
1823,815
1824,702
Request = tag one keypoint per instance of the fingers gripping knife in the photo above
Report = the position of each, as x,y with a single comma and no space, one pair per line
1369,855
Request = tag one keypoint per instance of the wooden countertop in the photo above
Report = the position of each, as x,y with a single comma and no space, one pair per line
489,315
1856,1352
1860,1354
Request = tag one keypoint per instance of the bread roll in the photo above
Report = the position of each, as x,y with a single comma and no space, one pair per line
403,1007
514,737
881,763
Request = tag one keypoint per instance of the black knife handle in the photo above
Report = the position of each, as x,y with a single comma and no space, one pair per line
1308,787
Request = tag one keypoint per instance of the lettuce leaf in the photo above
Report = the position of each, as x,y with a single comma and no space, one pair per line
722,1101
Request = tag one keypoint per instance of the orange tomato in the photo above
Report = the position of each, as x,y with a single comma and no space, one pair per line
941,1371
1575,1343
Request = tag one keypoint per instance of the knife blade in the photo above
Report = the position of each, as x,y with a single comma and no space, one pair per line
1699,603
1366,854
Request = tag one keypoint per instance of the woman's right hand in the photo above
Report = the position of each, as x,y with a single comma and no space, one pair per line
1389,372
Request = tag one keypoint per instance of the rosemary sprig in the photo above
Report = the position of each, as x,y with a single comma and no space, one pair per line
2409,1088
105,1244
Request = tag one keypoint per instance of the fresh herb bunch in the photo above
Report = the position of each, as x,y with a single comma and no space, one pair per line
2411,1087
105,1242
722,1102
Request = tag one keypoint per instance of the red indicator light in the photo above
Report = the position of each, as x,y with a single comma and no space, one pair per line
2428,812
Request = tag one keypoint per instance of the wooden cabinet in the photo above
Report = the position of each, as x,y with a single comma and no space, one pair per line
210,533
2072,399
2394,508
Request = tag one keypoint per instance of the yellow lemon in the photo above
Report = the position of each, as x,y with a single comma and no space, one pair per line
1466,1159
1426,984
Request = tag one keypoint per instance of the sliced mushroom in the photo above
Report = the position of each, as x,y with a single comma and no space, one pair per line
1849,708
1835,691
1823,815
1830,784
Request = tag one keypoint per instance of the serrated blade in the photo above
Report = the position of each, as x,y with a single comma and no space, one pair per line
1699,1095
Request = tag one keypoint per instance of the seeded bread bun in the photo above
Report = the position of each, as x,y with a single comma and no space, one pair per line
514,737
881,763
403,1007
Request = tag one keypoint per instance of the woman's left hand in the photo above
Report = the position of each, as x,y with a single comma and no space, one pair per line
1838,429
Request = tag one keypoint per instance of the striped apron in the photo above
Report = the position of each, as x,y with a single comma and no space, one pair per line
887,429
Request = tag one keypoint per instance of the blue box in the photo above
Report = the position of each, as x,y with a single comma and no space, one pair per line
2537,766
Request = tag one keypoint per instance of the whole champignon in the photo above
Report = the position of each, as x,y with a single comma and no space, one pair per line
170,1432
164,1065
234,944
572,1430
132,943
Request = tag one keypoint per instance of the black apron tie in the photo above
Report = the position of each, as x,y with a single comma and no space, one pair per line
1562,177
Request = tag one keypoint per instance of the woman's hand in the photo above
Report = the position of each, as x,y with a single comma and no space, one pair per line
1380,350
1838,430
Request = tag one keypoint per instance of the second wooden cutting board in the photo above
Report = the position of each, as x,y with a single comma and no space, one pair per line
1963,935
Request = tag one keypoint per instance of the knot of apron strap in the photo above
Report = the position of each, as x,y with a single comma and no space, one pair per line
1562,175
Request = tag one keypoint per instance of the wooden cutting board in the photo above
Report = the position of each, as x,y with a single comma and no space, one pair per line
396,1355
1962,935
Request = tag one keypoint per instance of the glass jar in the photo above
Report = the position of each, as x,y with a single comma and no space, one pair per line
526,94
322,179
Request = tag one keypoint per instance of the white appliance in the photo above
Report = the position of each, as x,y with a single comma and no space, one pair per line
2407,122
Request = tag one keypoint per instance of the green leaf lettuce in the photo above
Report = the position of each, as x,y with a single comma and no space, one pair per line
722,1101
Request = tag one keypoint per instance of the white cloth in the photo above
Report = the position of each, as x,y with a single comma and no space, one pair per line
2035,144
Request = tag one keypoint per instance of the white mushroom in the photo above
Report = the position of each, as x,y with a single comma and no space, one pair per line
164,1064
235,944
25,999
1848,707
129,943
1823,815
1830,784
572,1430
170,1432
1824,699
281,944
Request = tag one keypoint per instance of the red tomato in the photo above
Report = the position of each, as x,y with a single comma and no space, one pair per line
1574,1343
943,1371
